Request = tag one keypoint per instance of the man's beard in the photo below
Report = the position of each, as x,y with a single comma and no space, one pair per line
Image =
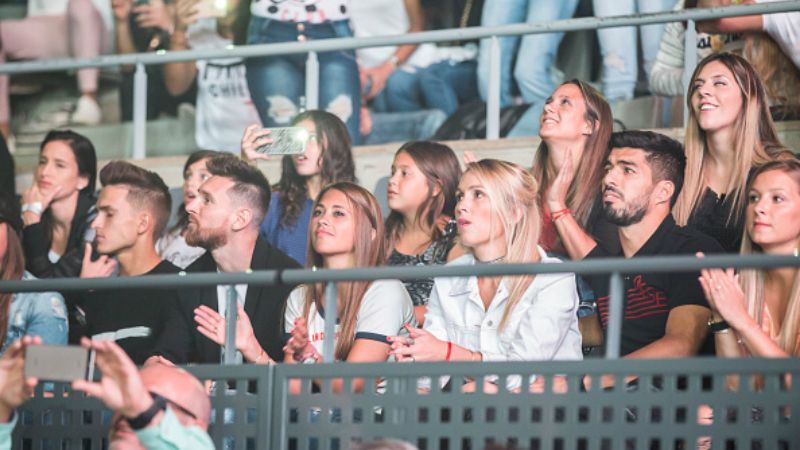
207,239
631,213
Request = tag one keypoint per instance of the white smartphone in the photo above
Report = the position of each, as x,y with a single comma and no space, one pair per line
59,362
285,141
208,9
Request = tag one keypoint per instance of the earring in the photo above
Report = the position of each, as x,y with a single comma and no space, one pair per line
796,252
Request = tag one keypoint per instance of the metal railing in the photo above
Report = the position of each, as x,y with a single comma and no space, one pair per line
140,60
613,266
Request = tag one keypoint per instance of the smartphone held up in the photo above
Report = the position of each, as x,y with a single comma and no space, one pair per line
59,362
285,141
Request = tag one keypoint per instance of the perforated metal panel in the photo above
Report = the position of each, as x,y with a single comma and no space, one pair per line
662,412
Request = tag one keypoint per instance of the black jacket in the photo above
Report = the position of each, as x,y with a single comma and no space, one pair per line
36,242
181,343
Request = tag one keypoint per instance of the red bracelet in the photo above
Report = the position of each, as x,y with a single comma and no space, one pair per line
449,351
560,213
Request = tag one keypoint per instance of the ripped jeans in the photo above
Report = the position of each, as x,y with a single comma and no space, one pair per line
277,83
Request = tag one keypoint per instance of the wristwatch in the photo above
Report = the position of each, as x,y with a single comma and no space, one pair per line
34,207
144,419
718,327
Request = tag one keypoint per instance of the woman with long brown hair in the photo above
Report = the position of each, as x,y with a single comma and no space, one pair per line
327,158
28,313
729,133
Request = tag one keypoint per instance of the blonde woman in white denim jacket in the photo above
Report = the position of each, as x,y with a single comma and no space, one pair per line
530,318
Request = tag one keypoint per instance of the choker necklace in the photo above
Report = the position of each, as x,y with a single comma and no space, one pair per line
492,261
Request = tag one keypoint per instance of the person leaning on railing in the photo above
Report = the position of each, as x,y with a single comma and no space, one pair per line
520,318
757,312
346,231
155,408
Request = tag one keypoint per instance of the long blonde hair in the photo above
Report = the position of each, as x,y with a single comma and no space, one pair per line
369,248
582,192
755,142
512,191
752,280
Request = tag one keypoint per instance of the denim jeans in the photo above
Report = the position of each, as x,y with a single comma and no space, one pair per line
277,83
618,45
403,126
535,54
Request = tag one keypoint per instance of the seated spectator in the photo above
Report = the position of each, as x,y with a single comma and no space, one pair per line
224,220
24,313
147,27
664,313
757,312
729,132
224,106
55,29
327,159
346,232
520,318
173,247
132,212
620,70
535,55
575,126
154,408
58,208
421,229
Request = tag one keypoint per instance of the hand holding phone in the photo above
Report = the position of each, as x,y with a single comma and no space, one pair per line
285,141
15,387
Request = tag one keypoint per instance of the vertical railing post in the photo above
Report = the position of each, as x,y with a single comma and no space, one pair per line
140,112
616,302
493,99
312,81
329,344
689,63
230,327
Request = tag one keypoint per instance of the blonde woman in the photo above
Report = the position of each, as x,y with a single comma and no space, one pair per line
729,132
522,318
758,312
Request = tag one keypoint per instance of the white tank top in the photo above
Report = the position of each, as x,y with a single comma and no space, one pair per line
311,11
224,107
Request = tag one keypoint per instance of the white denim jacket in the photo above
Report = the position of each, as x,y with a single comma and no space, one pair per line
542,326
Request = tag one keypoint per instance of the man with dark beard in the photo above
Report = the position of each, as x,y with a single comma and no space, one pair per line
224,219
665,314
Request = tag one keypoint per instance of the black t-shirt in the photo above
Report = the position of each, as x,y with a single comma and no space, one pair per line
131,317
710,216
649,297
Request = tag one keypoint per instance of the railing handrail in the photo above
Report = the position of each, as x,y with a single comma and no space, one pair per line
647,264
455,34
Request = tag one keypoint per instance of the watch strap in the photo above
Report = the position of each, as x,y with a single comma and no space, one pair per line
718,327
144,419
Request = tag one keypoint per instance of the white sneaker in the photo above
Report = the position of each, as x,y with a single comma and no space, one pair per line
87,112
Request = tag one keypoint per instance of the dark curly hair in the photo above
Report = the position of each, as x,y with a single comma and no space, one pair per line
336,160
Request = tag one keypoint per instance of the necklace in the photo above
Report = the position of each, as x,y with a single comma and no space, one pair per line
492,261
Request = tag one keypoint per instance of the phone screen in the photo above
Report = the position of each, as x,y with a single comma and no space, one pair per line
59,362
285,141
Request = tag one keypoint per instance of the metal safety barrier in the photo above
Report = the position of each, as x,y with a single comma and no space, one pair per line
312,48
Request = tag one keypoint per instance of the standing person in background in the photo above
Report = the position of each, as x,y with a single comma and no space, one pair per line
224,105
172,246
729,132
618,45
534,54
24,313
55,29
327,158
420,230
277,83
58,208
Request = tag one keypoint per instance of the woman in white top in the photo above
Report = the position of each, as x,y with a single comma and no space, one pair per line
520,318
346,231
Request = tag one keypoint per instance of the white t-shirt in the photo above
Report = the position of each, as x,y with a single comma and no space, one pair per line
311,11
224,107
385,18
784,28
385,310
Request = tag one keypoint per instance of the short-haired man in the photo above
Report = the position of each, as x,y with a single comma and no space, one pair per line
132,211
156,407
665,314
224,219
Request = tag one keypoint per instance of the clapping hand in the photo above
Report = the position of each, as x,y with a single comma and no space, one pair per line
419,345
299,347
